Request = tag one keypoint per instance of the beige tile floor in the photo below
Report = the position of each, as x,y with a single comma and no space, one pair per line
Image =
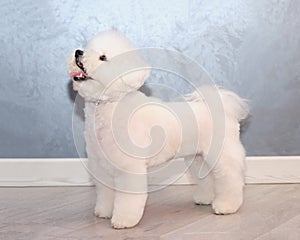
66,213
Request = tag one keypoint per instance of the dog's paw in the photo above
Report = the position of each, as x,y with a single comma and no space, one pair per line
203,199
222,207
119,222
101,213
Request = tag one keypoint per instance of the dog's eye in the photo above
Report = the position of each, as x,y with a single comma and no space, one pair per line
103,58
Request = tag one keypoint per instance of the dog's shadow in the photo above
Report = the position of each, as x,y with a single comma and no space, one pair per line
146,90
77,100
245,124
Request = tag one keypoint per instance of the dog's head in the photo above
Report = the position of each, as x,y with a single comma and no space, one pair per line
108,67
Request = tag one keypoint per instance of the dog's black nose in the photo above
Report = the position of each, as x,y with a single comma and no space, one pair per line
103,58
78,53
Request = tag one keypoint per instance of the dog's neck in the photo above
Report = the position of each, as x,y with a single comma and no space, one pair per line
90,109
111,98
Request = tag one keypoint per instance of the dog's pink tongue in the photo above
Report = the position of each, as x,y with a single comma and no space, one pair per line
78,74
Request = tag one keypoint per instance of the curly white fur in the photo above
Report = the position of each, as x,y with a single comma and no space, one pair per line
124,162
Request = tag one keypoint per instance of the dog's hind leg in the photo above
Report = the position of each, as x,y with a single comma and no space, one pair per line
204,192
130,197
229,178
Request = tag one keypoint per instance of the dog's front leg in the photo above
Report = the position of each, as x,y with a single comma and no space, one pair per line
105,200
130,199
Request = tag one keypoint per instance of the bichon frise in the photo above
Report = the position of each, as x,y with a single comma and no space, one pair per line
122,138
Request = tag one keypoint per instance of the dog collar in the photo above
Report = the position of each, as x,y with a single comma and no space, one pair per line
98,101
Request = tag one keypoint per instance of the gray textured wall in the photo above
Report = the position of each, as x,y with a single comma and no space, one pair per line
251,47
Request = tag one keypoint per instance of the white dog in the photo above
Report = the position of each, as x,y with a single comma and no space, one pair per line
122,140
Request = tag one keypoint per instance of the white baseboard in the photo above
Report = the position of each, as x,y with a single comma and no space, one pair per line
71,172
43,172
276,169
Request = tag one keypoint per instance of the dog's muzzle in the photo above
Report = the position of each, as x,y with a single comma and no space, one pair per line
79,76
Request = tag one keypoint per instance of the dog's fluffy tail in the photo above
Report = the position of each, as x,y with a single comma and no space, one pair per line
233,105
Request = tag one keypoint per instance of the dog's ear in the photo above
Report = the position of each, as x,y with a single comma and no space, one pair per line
136,70
137,77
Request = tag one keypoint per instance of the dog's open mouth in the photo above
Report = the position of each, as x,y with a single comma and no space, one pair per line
80,75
